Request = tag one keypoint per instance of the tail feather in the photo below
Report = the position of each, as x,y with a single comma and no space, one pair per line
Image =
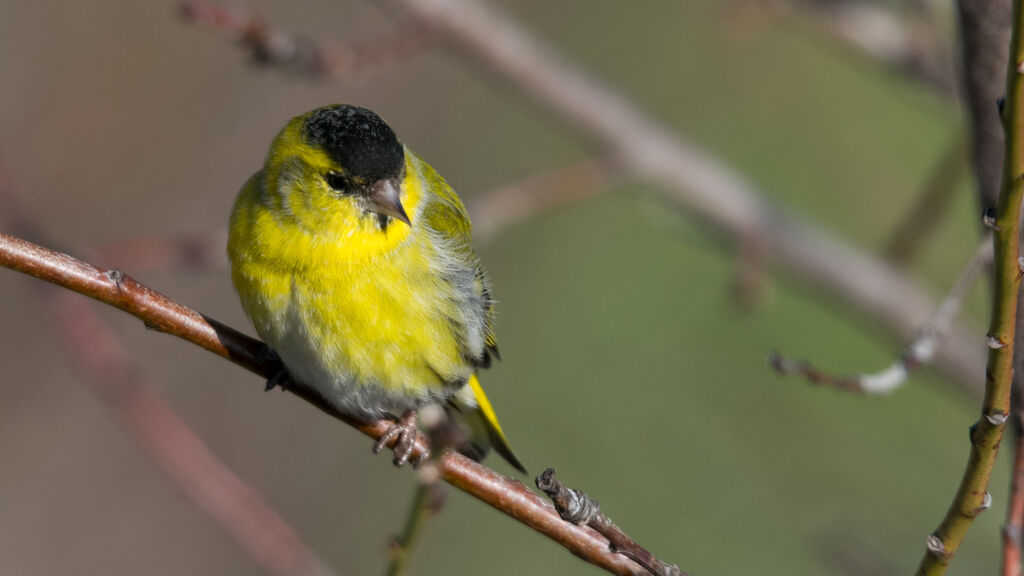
480,416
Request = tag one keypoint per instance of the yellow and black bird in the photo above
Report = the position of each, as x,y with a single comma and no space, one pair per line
353,259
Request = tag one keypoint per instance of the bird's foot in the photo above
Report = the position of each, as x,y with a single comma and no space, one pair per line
404,433
281,379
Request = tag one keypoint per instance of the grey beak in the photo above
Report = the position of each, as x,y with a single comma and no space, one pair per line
383,198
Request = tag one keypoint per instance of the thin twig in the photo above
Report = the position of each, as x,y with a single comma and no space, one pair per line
920,352
426,503
492,213
192,252
933,201
972,496
576,507
513,203
1014,525
163,314
688,177
302,55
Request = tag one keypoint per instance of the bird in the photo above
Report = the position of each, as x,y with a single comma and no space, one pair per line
353,259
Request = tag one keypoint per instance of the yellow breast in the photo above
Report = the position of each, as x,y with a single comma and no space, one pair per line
362,315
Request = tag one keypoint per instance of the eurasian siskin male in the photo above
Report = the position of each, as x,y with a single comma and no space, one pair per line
352,258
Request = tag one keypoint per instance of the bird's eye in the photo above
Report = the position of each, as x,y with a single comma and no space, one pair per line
338,182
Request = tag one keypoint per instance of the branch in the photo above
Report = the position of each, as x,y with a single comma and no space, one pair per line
917,223
903,41
163,314
688,177
426,504
165,253
299,54
502,207
972,496
1014,525
920,352
100,358
985,42
576,507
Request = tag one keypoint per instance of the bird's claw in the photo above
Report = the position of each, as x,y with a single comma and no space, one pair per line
404,434
279,379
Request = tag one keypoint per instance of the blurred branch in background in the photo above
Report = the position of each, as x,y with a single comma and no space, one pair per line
104,367
907,40
915,228
690,178
919,352
155,252
972,496
301,55
427,503
508,205
163,314
985,45
492,212
1014,525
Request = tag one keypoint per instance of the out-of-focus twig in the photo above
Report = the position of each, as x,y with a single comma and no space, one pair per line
102,362
505,206
577,507
916,226
921,351
427,502
492,213
907,42
1014,525
985,44
302,55
104,366
972,495
199,251
163,314
688,177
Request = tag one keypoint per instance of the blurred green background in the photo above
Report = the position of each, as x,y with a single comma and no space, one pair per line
627,364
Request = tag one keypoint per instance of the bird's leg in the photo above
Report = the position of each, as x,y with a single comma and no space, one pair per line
404,432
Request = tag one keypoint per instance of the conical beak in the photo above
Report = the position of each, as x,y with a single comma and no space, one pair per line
383,198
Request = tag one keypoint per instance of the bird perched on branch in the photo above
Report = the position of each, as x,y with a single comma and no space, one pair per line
352,258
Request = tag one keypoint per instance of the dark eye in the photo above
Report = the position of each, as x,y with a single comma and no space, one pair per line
338,182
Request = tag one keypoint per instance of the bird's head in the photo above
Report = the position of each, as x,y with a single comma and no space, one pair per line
340,165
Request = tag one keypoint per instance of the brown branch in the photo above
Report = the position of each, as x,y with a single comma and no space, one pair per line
688,177
301,55
576,507
161,313
919,352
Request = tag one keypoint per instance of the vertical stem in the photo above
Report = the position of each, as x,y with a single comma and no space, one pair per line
972,497
1015,511
424,505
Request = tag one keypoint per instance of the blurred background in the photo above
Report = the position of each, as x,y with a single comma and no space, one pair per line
629,363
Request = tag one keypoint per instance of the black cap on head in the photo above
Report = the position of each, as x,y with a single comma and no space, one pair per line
358,140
